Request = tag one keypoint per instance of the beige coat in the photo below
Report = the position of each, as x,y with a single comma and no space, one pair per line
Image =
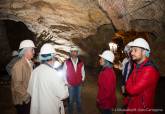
21,73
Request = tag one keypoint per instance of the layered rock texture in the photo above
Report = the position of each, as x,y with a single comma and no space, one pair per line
59,21
89,24
137,15
140,16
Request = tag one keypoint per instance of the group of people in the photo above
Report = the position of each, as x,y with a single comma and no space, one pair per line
139,80
43,90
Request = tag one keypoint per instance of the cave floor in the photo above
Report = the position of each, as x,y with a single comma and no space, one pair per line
89,91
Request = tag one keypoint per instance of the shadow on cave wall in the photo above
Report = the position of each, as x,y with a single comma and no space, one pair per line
96,44
14,32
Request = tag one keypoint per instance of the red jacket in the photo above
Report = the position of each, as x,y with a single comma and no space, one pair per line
141,88
74,78
106,97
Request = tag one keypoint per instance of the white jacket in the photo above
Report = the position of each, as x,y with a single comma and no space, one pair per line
47,91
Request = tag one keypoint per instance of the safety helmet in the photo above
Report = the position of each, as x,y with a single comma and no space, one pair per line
130,43
47,49
108,55
14,53
128,46
142,43
73,48
26,43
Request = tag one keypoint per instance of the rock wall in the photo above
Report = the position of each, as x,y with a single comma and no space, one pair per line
4,46
140,16
95,44
78,22
59,21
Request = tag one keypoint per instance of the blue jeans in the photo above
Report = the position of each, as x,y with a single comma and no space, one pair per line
74,96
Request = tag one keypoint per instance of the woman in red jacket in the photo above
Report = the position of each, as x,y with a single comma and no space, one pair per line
106,97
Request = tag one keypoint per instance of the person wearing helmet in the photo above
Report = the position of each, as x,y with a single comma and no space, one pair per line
106,96
127,66
21,72
75,75
14,59
46,88
143,80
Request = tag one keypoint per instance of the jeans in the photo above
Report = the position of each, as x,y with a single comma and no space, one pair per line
74,96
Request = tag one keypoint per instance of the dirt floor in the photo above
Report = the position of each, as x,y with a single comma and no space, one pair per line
89,91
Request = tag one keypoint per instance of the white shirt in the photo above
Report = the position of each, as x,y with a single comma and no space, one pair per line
75,68
125,60
47,91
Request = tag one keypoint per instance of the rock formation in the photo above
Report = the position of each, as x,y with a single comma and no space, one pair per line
140,16
89,24
59,21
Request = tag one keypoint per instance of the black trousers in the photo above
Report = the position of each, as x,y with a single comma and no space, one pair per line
23,109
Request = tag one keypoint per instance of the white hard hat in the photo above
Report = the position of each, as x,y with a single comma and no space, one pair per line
26,43
47,49
14,53
108,55
128,46
130,43
74,48
140,42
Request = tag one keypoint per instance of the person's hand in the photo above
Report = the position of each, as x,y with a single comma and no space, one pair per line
27,98
116,66
123,89
120,65
68,85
